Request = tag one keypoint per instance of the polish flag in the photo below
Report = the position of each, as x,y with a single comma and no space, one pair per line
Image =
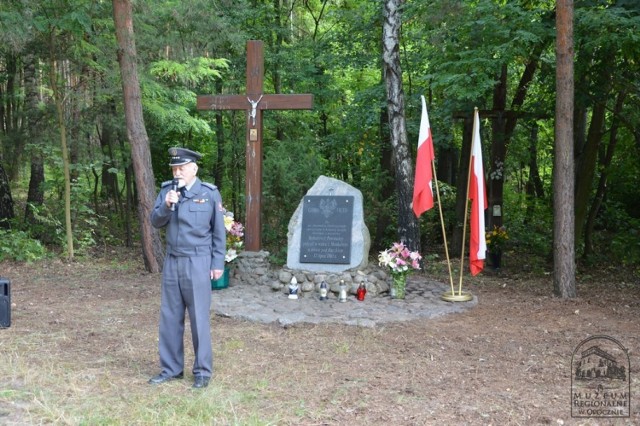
478,197
423,182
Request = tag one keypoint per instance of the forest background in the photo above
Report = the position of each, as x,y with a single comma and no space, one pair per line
63,122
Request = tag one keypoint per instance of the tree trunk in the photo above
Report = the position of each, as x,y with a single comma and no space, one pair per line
109,189
564,273
447,166
383,217
275,67
498,150
6,201
533,188
408,226
137,134
587,167
129,201
218,172
35,197
462,183
503,128
605,163
62,128
16,144
521,92
76,139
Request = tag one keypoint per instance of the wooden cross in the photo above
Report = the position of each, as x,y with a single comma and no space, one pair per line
254,102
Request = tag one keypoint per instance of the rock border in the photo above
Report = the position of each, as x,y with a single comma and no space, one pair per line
253,268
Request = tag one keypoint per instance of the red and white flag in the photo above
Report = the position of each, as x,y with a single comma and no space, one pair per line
478,197
423,182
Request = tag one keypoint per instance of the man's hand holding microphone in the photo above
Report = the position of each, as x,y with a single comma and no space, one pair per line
172,196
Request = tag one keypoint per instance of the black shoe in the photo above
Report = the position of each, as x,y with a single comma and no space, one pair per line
162,378
201,382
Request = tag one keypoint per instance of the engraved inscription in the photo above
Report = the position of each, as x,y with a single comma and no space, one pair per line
326,229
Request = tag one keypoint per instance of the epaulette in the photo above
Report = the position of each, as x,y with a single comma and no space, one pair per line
166,183
209,185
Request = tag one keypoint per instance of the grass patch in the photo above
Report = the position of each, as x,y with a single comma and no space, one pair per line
84,339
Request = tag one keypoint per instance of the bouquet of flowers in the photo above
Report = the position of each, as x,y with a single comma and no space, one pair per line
235,232
400,260
496,239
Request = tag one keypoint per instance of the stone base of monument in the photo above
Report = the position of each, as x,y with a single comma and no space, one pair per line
253,268
373,278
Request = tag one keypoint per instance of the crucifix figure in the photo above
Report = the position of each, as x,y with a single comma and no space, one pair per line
254,102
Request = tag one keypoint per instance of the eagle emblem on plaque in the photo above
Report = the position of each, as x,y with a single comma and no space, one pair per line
328,207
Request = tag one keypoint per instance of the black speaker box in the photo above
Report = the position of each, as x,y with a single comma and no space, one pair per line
5,303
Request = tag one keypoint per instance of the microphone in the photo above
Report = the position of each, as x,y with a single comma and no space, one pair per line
174,187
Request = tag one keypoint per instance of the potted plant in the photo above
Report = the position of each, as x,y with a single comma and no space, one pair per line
401,261
235,232
496,241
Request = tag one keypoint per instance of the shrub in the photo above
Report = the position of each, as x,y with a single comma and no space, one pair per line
19,246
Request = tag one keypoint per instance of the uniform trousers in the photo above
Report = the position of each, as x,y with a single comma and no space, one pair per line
186,285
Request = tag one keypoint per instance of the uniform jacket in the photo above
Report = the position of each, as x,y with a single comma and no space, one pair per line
196,227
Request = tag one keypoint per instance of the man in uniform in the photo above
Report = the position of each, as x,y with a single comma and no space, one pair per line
193,215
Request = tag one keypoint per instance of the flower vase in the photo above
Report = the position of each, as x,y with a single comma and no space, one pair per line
398,286
222,282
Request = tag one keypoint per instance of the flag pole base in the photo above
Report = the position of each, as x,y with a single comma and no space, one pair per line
462,296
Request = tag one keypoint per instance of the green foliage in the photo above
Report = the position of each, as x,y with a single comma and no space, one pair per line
529,222
376,211
624,176
625,246
430,226
619,239
169,100
452,52
191,73
468,42
48,227
432,264
89,227
14,29
285,183
20,247
169,111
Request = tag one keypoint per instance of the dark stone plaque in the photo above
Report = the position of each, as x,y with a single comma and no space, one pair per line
326,229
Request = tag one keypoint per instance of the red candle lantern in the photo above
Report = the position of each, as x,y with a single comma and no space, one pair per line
361,292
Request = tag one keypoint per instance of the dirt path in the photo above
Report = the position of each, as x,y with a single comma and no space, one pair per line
91,329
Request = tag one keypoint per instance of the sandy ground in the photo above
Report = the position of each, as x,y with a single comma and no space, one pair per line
506,361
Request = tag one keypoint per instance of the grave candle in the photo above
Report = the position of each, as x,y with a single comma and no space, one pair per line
323,290
361,292
343,292
293,288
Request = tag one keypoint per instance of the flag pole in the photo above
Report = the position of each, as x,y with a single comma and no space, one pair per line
460,296
444,234
464,225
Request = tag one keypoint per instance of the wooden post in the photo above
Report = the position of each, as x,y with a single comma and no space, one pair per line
254,102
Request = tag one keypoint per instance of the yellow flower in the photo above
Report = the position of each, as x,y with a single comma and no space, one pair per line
228,222
497,238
